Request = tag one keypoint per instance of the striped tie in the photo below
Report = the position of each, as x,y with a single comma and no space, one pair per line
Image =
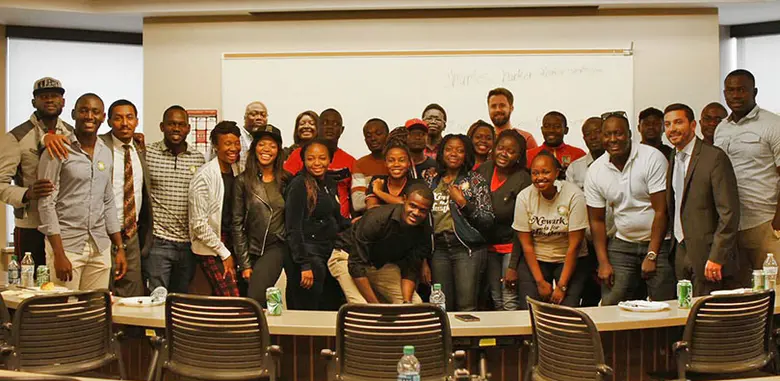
130,226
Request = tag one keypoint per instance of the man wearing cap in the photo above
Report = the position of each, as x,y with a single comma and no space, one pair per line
375,132
416,140
19,153
130,183
79,217
255,118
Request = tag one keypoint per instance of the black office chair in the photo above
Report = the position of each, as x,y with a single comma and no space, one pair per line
370,340
64,334
215,338
566,345
728,334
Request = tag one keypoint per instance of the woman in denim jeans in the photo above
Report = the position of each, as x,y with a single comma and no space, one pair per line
462,212
507,175
550,218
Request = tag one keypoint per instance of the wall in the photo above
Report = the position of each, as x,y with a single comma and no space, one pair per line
676,52
3,88
760,55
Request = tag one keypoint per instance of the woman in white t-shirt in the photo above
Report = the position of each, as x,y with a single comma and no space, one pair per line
550,218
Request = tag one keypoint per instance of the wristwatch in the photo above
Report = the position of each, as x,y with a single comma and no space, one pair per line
563,287
651,255
115,248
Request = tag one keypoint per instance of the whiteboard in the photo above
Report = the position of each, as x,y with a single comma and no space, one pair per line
398,87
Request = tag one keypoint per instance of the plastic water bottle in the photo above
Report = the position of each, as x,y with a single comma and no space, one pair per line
13,271
28,270
437,297
408,366
770,272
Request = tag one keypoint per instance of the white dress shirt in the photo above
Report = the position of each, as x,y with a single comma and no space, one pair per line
753,146
119,179
682,160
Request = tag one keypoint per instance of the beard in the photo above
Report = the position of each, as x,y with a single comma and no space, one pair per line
45,114
500,120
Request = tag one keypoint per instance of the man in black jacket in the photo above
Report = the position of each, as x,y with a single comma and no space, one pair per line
385,247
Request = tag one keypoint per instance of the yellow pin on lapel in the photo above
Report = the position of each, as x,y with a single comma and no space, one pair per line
101,166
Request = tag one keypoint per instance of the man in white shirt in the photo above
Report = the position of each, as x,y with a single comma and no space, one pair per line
131,193
704,207
576,173
632,180
750,136
255,118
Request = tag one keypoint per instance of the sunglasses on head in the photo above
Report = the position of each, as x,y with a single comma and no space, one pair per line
619,114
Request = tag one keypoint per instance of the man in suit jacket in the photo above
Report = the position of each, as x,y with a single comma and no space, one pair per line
131,193
704,208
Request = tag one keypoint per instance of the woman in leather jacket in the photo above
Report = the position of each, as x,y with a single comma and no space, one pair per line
258,214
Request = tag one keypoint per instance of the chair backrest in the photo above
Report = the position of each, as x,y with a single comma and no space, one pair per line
213,337
370,340
730,333
63,333
567,343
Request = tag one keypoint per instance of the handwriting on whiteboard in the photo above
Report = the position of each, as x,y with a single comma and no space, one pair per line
474,77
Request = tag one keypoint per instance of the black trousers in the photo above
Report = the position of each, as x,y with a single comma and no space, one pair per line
30,240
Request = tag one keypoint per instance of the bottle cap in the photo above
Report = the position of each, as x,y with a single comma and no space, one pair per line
437,286
408,350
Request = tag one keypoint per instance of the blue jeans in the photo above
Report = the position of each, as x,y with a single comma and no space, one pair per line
551,272
504,298
170,265
626,260
457,271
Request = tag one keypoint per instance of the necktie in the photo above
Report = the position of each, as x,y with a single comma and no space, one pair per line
679,188
129,225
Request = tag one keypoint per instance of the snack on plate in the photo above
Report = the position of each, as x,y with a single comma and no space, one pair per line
48,286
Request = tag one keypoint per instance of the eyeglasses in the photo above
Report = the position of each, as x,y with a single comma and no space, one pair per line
619,114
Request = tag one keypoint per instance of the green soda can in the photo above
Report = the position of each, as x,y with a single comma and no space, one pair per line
758,280
684,293
273,297
41,276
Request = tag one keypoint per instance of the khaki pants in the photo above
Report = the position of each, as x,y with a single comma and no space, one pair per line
91,267
386,282
753,244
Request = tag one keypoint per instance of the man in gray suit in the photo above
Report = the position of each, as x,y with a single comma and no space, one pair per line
131,193
703,207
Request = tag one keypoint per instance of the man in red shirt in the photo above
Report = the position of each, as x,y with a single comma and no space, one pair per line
343,164
554,127
375,132
500,106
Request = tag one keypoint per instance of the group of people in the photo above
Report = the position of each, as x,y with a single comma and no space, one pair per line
490,215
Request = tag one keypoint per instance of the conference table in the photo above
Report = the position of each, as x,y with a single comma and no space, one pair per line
635,343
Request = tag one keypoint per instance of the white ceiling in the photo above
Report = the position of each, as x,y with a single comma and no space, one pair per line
125,16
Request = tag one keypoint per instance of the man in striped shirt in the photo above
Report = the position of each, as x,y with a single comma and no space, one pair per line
172,164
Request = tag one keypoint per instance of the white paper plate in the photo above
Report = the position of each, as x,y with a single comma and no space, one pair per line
139,301
737,291
55,289
643,306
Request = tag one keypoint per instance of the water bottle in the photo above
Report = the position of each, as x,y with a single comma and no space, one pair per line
770,272
408,366
13,271
28,270
437,297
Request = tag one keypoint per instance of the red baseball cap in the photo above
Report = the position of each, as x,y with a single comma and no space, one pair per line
419,123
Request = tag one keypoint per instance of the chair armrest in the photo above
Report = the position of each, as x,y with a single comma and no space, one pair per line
6,350
680,346
157,342
328,354
275,351
604,370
